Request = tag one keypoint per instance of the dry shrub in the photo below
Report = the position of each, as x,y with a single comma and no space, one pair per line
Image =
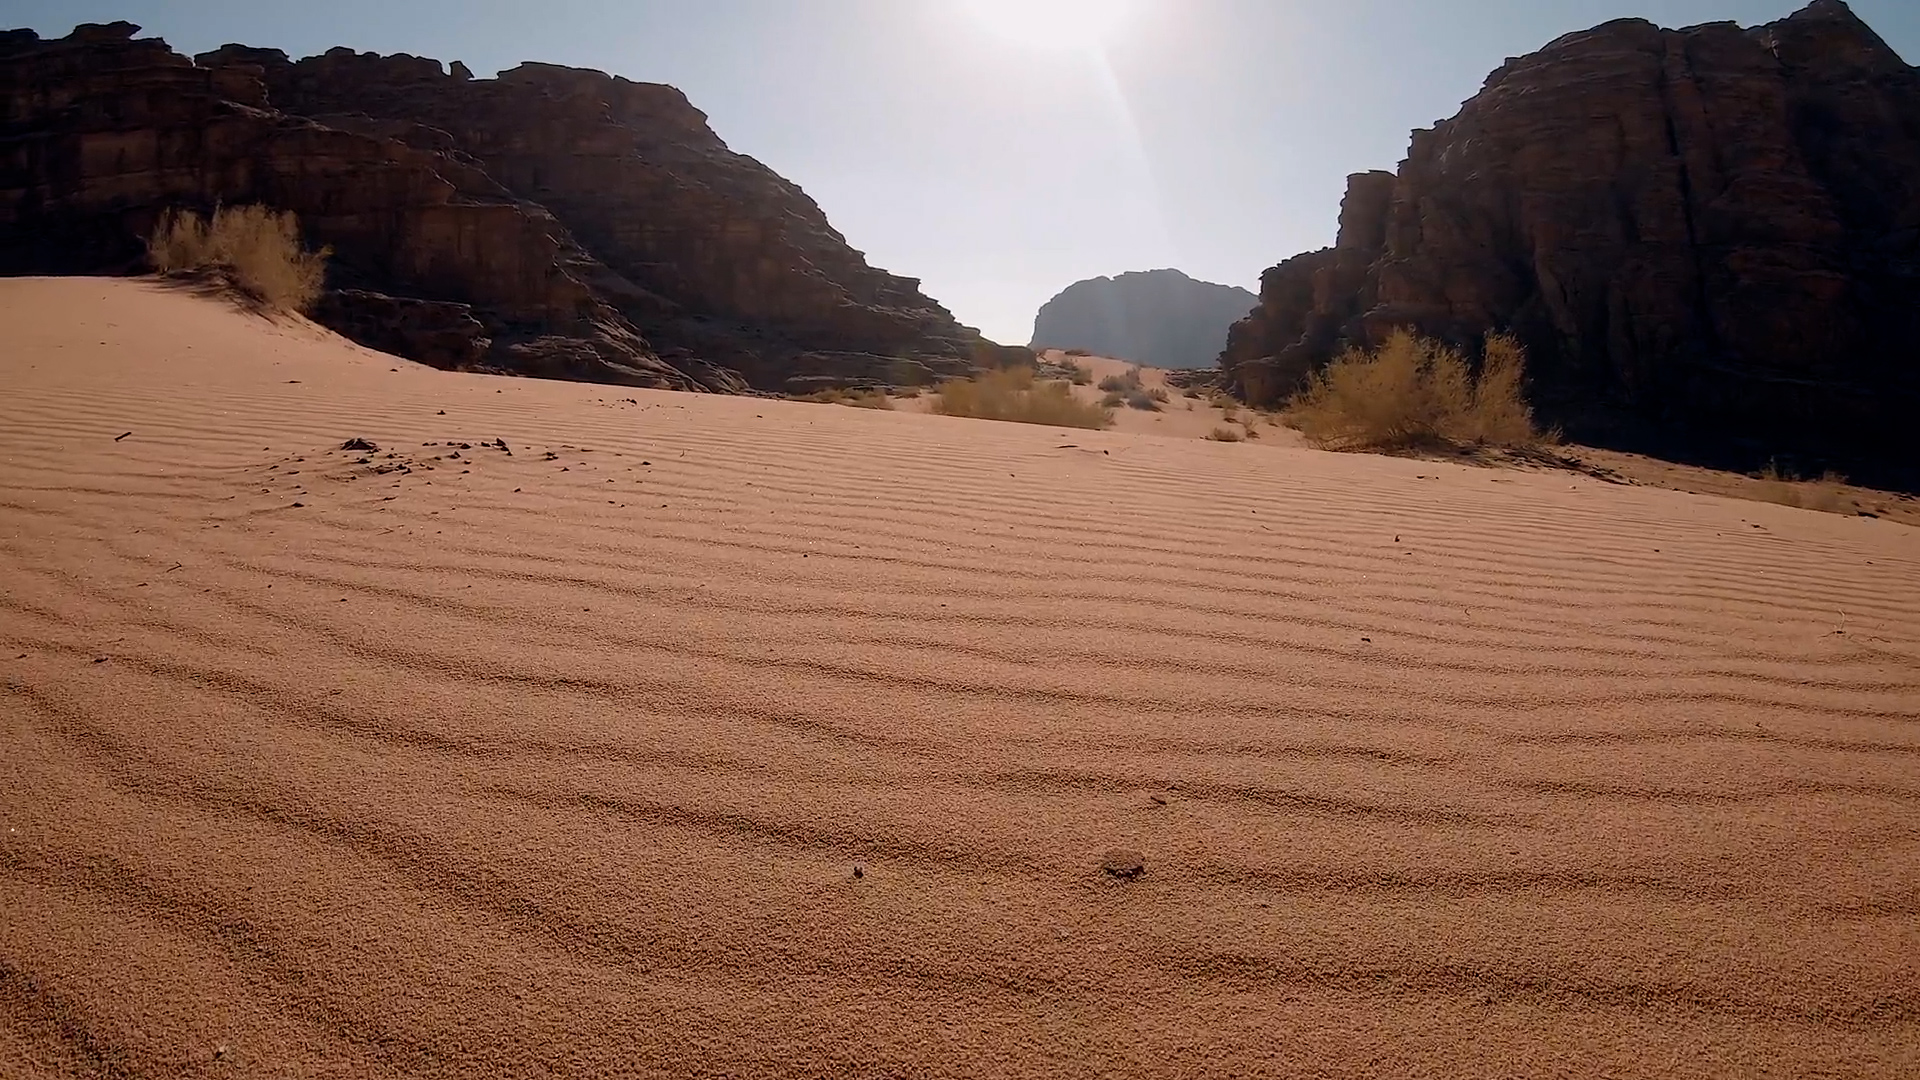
1225,434
1414,393
255,248
1143,401
1081,376
1827,494
1122,384
1113,399
1012,394
859,399
1159,394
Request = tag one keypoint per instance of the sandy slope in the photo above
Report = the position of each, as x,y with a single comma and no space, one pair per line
520,767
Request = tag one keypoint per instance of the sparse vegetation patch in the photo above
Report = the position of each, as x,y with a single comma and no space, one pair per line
256,248
1827,494
1122,384
1013,394
859,399
1414,393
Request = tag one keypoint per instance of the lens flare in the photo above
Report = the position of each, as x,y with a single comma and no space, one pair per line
1052,24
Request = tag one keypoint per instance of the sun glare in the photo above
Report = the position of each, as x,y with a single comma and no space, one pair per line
1052,24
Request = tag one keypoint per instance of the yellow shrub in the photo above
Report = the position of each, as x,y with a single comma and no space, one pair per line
258,249
1413,392
1011,394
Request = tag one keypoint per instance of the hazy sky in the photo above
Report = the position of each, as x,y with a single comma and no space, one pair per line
1210,135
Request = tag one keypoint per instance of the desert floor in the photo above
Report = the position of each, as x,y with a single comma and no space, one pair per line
692,736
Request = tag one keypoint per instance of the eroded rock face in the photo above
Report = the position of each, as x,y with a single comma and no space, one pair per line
1707,237
591,227
435,332
1162,318
717,253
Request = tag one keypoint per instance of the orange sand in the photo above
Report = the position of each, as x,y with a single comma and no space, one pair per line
516,766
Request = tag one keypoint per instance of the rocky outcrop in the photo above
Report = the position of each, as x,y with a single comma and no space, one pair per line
560,222
1161,318
715,253
436,332
1708,238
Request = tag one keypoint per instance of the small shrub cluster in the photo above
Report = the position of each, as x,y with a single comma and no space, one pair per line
257,249
1147,400
1826,494
859,399
1013,394
1225,434
1122,384
1414,393
1081,376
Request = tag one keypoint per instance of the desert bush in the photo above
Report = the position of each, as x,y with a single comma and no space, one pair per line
1012,394
1081,376
1827,494
1143,401
867,399
256,248
1159,394
1122,384
1113,399
1225,434
859,399
1415,392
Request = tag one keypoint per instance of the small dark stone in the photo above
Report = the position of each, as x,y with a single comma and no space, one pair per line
859,873
366,445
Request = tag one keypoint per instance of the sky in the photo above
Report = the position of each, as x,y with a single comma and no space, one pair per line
982,148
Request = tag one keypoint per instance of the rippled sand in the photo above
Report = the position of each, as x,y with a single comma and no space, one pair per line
710,736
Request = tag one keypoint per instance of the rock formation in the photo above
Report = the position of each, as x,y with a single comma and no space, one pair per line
1708,238
1162,318
552,221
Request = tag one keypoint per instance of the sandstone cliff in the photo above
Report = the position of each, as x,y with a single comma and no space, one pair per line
1708,238
552,221
1159,317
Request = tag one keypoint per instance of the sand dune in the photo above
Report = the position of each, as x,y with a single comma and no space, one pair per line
560,759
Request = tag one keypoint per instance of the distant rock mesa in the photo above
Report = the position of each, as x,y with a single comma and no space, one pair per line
1708,238
552,221
1161,318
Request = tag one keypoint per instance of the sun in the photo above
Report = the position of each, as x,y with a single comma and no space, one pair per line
1052,24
